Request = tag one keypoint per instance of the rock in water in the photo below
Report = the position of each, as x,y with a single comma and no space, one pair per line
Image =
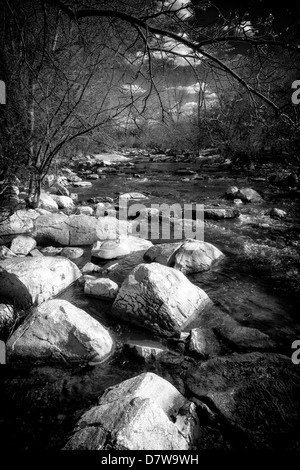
127,196
203,343
159,298
82,229
161,253
51,251
249,195
82,184
146,352
277,213
22,245
142,413
110,249
102,207
48,203
109,228
57,331
84,210
219,214
91,268
52,228
63,202
28,281
191,256
72,252
195,256
103,287
21,221
258,394
231,192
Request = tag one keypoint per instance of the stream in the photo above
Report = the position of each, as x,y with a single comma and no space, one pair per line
256,291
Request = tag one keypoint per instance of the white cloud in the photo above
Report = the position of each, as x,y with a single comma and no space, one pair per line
133,89
172,48
189,107
189,89
179,6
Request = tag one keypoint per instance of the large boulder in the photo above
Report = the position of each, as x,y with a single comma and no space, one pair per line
63,202
142,413
22,244
195,256
86,230
159,298
51,228
110,249
47,202
191,256
256,394
111,228
83,230
57,331
29,281
21,221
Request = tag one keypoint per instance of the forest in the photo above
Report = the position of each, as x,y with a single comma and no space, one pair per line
173,74
149,228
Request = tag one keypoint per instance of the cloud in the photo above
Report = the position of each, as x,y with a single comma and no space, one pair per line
182,8
189,107
189,89
133,89
175,51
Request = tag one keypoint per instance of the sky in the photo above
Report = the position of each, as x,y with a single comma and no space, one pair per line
181,91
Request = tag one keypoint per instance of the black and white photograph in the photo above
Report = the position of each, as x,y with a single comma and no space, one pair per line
149,228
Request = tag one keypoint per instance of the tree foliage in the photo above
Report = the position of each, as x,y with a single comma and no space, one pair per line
78,72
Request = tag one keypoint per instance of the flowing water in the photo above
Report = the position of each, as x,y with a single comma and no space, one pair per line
234,285
255,297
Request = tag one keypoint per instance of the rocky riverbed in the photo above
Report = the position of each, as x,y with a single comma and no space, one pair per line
114,341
